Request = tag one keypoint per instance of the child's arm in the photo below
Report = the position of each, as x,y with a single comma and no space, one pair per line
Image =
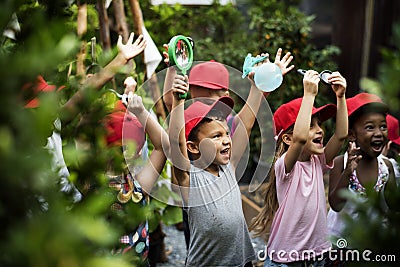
169,79
247,115
341,131
147,177
339,176
179,154
125,53
244,121
303,121
391,190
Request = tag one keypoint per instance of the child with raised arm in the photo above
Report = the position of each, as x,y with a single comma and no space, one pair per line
135,184
295,205
210,80
204,160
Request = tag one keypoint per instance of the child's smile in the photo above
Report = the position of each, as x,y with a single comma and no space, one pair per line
370,131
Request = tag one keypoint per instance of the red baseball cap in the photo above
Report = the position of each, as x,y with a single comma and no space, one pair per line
362,100
285,116
211,75
40,86
393,129
121,124
199,110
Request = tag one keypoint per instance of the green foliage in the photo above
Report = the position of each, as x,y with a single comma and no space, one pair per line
376,228
223,33
387,83
280,24
218,31
40,225
380,227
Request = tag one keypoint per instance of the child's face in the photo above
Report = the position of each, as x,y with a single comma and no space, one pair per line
370,133
214,143
315,142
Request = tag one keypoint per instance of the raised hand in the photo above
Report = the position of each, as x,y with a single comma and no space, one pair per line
310,82
284,62
180,86
131,49
130,85
339,84
353,156
135,105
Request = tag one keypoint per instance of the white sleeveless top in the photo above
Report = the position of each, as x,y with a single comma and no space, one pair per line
335,219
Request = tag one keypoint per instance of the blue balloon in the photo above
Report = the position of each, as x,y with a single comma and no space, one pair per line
268,77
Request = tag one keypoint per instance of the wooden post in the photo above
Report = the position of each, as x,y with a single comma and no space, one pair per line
81,30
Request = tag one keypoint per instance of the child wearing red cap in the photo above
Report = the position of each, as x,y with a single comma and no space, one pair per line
392,148
204,158
363,163
71,109
134,184
295,209
210,80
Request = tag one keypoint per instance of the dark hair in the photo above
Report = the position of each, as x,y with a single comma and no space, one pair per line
212,115
368,108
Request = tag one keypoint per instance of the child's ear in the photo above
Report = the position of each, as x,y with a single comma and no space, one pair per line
287,139
192,147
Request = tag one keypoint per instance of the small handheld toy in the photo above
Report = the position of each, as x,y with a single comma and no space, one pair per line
267,76
180,52
323,75
124,97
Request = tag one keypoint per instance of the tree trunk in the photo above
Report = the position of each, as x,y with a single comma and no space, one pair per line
121,27
81,30
104,28
137,16
120,19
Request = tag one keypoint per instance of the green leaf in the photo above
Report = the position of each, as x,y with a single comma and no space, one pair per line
172,215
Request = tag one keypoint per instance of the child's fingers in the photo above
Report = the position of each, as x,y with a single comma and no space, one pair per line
267,57
289,68
129,81
140,42
166,47
278,55
119,42
312,76
182,86
130,39
287,57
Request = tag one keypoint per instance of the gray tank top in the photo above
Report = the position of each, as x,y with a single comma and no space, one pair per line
218,230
